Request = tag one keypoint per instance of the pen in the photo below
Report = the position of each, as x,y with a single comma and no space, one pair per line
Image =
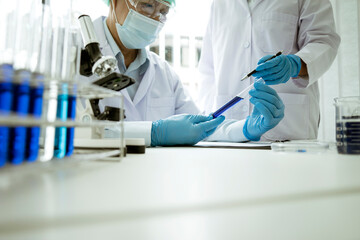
254,71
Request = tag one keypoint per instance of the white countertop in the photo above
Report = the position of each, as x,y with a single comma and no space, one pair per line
224,193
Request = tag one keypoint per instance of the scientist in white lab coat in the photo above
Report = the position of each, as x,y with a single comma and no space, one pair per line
240,32
158,93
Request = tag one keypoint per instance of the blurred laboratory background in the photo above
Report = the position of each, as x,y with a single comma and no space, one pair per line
181,40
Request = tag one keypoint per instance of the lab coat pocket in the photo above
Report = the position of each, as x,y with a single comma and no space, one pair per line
278,31
296,122
161,107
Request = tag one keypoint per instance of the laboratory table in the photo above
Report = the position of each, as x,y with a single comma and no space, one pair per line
185,193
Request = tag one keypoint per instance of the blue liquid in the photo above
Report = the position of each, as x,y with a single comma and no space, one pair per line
60,132
228,105
21,108
33,133
71,131
6,93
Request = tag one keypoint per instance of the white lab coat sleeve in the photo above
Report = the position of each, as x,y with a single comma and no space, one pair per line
317,40
138,129
229,131
206,73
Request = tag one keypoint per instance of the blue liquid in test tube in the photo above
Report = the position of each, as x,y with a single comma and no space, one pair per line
6,76
62,114
35,109
71,131
235,100
228,105
21,108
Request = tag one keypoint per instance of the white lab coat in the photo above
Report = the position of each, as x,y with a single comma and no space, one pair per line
236,38
160,95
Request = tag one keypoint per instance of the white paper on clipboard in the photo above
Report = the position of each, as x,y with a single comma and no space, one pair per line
245,145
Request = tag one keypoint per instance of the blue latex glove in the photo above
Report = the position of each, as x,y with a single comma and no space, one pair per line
268,111
278,70
183,129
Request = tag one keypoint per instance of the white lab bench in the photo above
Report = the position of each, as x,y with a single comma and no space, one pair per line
186,193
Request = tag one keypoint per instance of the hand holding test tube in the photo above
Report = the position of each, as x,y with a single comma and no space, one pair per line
242,94
268,109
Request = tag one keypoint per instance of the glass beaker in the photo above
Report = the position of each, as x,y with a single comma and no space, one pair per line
348,124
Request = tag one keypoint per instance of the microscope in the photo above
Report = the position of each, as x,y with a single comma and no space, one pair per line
94,63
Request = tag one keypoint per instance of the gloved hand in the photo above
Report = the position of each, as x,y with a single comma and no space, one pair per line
268,111
278,70
183,129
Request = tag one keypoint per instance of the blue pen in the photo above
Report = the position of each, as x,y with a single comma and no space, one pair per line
239,97
6,76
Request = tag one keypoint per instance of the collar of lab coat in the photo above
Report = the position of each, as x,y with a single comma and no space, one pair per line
246,4
106,50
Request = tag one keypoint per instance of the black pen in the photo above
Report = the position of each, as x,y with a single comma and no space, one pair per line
278,54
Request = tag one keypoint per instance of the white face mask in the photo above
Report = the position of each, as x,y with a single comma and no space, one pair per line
138,31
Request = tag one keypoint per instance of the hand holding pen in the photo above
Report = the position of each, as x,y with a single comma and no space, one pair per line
254,71
242,94
279,69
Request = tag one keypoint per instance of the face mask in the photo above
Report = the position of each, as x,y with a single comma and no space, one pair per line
138,31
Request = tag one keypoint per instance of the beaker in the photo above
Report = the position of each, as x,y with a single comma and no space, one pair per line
348,125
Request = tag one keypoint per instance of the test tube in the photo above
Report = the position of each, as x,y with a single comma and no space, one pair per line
6,75
8,18
50,37
73,74
37,80
21,81
64,45
239,97
62,99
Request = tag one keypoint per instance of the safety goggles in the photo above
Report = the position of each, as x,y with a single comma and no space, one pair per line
155,9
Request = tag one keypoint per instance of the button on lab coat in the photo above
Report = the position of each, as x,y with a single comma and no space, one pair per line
160,95
236,38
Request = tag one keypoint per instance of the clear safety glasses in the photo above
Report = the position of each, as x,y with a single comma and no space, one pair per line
160,10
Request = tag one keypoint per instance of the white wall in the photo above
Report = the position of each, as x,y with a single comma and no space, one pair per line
93,8
190,20
343,78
